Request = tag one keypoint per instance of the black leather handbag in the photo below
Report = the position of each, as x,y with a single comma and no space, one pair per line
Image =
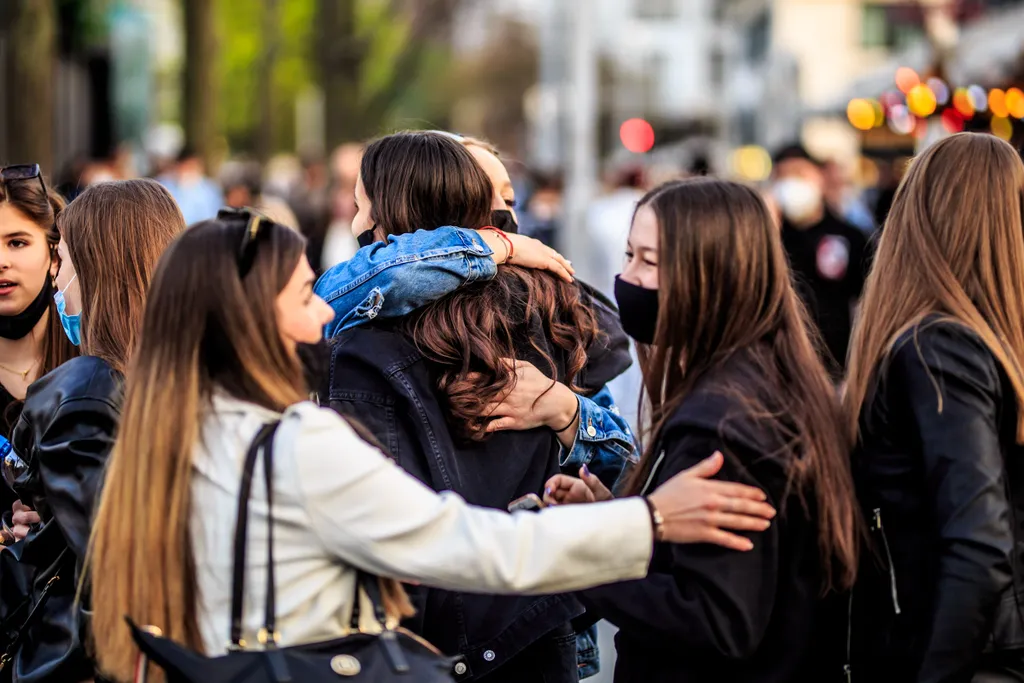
392,656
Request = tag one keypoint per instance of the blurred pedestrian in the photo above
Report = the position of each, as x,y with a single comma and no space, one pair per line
935,403
198,196
828,255
111,237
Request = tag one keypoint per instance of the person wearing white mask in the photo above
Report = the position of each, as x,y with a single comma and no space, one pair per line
829,257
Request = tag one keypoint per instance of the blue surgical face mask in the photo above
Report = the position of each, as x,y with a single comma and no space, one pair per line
72,324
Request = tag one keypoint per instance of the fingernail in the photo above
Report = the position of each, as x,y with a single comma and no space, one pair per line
586,471
547,491
750,544
765,524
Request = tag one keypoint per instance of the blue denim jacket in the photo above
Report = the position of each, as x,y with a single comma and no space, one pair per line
391,279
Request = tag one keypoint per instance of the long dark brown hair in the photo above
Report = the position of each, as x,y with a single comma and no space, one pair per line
953,245
115,232
725,290
42,209
428,180
205,329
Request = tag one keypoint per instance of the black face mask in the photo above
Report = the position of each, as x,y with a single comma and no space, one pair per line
366,238
503,220
18,326
638,310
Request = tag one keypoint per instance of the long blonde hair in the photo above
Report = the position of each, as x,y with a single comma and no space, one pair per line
953,245
204,327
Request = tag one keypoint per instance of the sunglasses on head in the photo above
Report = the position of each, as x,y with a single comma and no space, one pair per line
255,225
26,172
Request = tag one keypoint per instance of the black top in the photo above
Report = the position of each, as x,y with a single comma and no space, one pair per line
379,378
938,461
706,613
65,433
829,262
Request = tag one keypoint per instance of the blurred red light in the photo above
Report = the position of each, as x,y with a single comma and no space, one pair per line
637,135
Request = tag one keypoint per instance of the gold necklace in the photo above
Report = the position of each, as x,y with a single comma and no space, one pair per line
24,375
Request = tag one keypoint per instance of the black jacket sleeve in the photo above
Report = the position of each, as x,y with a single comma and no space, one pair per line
65,433
710,598
952,393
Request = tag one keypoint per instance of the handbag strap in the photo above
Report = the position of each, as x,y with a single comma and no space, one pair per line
370,584
36,612
263,437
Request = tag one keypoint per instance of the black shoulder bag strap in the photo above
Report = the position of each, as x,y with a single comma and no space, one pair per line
262,442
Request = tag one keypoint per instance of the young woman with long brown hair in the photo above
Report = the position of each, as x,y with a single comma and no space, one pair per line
445,368
934,398
728,366
111,237
32,342
236,296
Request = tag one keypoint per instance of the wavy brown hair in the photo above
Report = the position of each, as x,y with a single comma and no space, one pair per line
725,291
428,180
115,233
205,329
953,245
42,209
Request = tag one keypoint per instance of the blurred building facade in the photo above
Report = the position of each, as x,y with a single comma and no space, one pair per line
792,66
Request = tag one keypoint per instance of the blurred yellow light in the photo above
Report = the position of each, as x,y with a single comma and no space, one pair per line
921,101
876,106
861,114
1002,128
997,103
1015,102
752,163
906,79
962,103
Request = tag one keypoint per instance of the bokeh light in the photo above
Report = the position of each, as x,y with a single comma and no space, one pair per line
921,101
952,121
1002,128
941,90
752,163
1015,102
906,79
997,103
963,104
900,120
979,98
891,98
876,106
861,114
637,135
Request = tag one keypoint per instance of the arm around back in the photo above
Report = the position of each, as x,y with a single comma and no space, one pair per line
371,514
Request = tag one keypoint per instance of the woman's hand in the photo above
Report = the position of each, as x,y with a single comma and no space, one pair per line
562,489
535,400
527,252
696,509
23,519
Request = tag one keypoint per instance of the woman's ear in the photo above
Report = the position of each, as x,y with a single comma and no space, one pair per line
54,264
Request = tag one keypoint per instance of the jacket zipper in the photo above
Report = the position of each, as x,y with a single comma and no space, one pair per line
888,556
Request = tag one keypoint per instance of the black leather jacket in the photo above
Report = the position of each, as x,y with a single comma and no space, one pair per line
65,433
941,480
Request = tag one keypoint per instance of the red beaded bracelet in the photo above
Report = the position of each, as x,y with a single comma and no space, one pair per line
508,242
